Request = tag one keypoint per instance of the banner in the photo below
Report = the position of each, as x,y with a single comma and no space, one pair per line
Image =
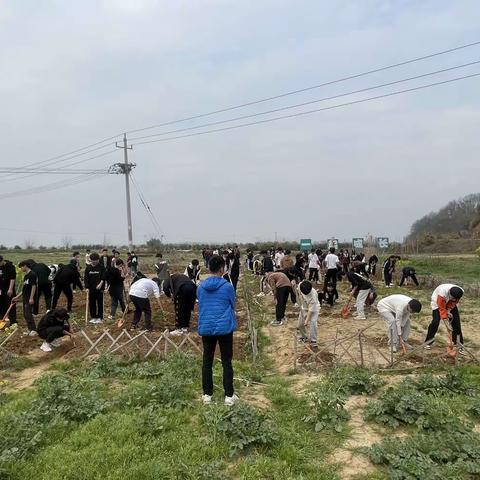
332,242
306,244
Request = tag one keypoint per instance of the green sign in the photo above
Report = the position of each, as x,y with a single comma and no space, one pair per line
305,244
383,242
357,243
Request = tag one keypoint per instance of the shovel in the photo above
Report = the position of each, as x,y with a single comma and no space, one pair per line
346,309
451,352
3,322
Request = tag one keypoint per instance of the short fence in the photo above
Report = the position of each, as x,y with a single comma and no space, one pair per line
364,350
141,344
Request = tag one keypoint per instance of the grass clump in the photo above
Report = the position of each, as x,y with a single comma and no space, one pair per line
355,381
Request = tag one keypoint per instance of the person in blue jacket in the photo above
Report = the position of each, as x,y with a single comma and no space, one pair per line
216,324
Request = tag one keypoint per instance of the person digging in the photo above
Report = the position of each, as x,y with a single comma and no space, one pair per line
52,326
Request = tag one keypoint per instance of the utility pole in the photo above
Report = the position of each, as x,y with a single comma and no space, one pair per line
126,168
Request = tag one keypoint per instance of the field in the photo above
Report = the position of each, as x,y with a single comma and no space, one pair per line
63,417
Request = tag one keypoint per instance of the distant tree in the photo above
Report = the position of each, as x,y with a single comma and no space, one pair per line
154,244
29,244
17,247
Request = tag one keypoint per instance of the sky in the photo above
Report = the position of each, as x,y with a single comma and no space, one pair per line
76,73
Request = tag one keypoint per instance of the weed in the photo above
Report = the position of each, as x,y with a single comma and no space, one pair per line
355,381
243,426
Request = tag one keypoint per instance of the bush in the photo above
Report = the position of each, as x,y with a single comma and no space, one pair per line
327,406
243,426
355,381
453,382
431,456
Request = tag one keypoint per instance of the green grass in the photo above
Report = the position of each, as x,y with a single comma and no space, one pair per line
452,267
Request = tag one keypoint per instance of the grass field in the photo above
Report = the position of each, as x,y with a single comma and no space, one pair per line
112,419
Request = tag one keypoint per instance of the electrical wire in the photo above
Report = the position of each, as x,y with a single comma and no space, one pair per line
309,112
51,186
41,171
152,217
297,105
306,89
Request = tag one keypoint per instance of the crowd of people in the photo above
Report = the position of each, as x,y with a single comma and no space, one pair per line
308,279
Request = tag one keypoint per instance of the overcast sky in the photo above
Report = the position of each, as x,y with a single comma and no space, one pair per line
74,73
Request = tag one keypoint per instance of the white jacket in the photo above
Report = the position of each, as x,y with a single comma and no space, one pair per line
398,306
309,303
444,292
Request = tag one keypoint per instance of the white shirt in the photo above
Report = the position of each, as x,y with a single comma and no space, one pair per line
144,288
331,261
309,303
442,291
397,305
278,258
313,260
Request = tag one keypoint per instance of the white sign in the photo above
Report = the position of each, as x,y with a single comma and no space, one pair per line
332,242
383,242
357,243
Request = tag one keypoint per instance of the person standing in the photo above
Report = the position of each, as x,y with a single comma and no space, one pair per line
216,324
332,264
65,277
234,259
313,266
161,269
395,311
8,276
29,291
116,277
139,294
445,299
193,271
133,263
388,270
309,311
278,257
95,278
281,286
87,258
372,265
184,293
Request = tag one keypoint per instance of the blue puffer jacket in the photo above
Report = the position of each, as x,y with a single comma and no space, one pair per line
216,307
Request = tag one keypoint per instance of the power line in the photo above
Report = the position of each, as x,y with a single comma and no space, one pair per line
153,218
289,107
308,112
306,89
52,186
53,171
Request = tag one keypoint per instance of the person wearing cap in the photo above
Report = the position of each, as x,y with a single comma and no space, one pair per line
139,293
8,275
395,311
444,304
53,325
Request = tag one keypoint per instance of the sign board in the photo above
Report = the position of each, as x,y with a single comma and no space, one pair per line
383,242
357,243
306,244
332,242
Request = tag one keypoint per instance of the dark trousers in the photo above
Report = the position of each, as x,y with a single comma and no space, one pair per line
293,295
142,305
60,288
95,303
372,269
51,333
184,305
313,274
116,295
226,351
45,290
282,294
234,281
330,277
454,322
387,276
5,302
413,277
28,315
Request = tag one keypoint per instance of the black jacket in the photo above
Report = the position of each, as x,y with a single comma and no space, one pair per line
43,272
359,282
176,281
114,277
94,275
68,275
293,273
267,265
50,320
7,273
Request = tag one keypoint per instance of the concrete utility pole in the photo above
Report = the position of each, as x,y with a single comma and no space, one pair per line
126,168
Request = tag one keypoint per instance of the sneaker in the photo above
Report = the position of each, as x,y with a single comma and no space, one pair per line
408,346
394,349
461,351
206,399
110,317
185,330
55,344
93,321
276,323
359,317
45,347
32,333
296,305
303,339
427,347
230,401
261,294
177,332
314,344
